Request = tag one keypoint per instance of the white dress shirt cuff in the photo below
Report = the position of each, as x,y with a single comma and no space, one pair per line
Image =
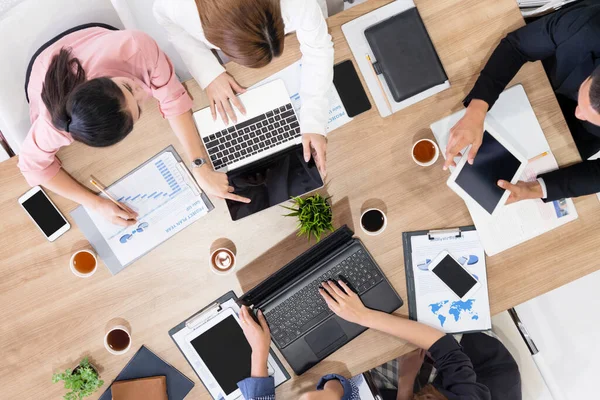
208,72
543,185
311,125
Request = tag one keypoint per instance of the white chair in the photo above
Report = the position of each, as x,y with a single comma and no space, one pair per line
25,25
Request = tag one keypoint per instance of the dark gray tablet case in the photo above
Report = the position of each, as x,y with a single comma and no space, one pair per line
145,364
405,55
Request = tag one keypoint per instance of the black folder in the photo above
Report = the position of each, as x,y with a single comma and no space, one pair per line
145,364
405,55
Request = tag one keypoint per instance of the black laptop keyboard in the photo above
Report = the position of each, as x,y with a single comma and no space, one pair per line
305,309
252,136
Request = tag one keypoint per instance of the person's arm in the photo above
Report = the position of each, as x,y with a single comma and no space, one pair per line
199,59
215,183
345,303
316,75
576,180
175,105
259,385
197,56
535,41
453,365
39,165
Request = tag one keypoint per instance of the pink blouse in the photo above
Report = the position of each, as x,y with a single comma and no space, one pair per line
102,53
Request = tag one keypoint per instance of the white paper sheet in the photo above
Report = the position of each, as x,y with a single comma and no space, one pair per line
519,222
524,220
437,305
166,202
291,77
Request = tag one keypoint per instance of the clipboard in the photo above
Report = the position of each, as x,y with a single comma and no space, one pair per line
204,315
93,235
436,237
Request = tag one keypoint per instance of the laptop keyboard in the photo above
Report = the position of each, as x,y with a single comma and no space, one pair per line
252,136
305,309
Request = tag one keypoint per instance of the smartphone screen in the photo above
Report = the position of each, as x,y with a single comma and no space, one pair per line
454,276
350,89
44,213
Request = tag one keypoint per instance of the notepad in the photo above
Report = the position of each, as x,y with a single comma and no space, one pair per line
167,199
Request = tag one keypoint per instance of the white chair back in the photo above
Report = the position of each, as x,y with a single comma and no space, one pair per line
25,25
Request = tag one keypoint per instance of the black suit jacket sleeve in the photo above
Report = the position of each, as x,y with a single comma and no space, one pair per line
535,41
577,180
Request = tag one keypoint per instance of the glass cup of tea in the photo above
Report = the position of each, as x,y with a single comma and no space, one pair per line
373,221
117,340
222,261
425,152
84,263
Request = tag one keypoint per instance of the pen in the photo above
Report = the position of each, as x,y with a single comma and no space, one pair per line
387,101
102,188
544,154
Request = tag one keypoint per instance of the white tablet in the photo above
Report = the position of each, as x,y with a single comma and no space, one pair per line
220,349
496,159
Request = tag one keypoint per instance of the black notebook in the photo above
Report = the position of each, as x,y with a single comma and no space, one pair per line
405,55
145,364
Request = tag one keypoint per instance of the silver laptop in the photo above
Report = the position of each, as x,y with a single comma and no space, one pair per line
262,153
270,125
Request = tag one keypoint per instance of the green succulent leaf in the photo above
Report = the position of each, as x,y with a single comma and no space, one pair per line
314,214
81,382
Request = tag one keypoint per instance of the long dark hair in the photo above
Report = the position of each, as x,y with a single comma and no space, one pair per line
92,111
250,32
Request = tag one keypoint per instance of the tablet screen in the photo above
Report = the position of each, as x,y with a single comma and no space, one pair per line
226,352
492,163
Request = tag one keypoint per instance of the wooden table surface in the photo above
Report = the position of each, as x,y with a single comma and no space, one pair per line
51,319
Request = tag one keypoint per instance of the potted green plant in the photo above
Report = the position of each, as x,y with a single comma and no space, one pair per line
314,215
81,381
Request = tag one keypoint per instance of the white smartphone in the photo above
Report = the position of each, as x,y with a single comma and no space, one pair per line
496,159
44,213
454,275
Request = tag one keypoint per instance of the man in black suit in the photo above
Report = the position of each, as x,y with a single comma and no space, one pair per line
568,43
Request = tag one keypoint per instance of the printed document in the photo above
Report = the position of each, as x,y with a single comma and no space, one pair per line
437,305
166,199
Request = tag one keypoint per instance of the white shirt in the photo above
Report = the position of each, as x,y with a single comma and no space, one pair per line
181,20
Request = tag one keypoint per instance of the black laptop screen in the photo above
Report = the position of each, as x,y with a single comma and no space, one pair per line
272,181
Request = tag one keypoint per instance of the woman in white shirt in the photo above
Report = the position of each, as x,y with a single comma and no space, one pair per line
251,33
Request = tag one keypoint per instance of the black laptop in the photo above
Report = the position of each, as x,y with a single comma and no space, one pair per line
302,326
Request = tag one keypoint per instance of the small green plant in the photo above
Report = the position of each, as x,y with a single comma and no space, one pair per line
314,215
82,381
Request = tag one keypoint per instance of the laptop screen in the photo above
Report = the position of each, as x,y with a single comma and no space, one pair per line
272,180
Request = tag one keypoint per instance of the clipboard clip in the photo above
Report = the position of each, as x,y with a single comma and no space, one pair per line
441,234
201,318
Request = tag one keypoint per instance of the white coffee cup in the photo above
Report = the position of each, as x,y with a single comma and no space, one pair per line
380,230
111,350
222,261
435,156
75,271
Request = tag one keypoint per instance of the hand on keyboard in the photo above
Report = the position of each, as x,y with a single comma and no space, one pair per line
216,184
344,302
315,145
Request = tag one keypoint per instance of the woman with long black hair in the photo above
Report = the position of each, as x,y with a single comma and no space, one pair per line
87,84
